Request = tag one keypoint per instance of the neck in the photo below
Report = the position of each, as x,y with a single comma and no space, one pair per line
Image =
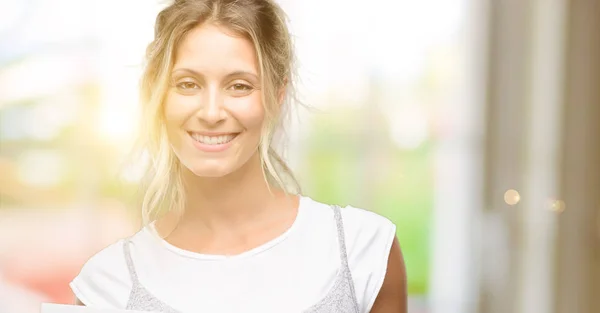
229,201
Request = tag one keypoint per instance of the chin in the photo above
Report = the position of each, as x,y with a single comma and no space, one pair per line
211,169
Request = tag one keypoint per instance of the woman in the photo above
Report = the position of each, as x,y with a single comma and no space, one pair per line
226,228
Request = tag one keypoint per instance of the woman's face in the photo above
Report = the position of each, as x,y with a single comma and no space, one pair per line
213,109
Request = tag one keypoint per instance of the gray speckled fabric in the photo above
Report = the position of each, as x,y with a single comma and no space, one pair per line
340,299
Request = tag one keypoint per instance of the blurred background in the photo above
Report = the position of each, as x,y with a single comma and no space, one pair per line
474,125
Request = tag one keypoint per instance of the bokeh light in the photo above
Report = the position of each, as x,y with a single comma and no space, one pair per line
512,197
557,206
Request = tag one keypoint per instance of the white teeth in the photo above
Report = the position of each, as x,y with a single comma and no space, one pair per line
213,140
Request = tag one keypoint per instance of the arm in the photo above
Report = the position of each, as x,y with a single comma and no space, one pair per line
392,297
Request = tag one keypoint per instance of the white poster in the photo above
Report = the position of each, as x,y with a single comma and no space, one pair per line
63,308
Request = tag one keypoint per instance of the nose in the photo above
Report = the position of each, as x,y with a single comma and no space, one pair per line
211,109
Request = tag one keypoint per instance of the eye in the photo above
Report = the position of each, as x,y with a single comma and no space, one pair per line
187,85
239,87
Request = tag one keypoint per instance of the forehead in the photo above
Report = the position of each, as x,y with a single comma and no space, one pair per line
214,49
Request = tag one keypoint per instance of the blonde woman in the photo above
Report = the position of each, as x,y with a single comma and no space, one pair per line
226,228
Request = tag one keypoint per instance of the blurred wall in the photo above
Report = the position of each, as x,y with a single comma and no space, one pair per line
578,241
539,249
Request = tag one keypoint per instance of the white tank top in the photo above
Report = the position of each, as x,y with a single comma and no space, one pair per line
312,267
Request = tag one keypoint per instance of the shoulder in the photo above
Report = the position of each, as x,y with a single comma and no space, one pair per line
365,226
357,222
104,280
368,235
368,238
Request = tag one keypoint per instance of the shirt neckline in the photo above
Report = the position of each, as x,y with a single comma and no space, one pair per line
150,229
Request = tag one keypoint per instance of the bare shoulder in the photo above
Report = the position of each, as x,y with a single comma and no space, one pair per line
393,294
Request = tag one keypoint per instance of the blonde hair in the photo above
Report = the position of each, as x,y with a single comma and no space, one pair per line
263,23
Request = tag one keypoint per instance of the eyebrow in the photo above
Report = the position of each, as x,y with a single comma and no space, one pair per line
232,74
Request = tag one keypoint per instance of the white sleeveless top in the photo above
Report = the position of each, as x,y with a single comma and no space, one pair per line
327,261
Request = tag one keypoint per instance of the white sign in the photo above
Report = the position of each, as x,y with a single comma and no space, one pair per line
63,308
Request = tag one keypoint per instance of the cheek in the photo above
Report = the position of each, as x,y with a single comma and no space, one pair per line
176,112
248,111
178,108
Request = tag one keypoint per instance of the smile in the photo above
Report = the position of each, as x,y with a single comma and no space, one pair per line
213,140
212,143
